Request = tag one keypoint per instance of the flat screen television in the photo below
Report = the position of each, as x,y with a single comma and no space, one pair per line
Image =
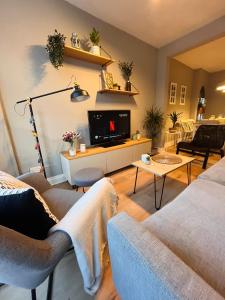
108,127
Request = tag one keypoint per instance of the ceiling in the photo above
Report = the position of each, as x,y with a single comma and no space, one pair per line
157,22
210,57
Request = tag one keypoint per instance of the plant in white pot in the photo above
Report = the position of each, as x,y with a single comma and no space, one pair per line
95,39
71,137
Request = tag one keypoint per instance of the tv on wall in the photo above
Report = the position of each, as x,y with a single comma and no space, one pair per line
108,127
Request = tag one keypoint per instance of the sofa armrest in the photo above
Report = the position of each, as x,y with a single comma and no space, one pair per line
36,180
26,262
144,268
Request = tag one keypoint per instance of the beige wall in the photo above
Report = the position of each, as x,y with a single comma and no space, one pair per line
215,99
26,71
7,157
198,37
182,75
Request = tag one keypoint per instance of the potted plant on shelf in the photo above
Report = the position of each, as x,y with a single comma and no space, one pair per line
127,69
174,116
95,39
55,48
153,123
71,137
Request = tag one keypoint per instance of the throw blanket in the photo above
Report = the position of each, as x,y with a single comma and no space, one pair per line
86,224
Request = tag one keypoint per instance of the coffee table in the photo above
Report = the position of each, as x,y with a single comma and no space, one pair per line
161,170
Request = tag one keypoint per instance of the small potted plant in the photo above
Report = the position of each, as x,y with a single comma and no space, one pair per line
71,137
95,39
127,69
55,48
174,116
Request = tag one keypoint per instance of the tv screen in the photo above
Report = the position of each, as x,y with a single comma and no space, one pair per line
108,125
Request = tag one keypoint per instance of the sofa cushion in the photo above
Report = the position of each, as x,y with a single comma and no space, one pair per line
60,201
193,227
215,173
25,214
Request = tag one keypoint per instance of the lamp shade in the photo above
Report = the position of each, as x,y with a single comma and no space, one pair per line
78,94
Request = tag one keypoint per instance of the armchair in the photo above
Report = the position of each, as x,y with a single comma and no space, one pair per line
208,139
26,262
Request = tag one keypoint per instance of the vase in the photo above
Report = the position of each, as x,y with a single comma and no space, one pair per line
128,86
72,150
95,50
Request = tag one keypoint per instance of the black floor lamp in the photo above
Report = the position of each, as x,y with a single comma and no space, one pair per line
77,95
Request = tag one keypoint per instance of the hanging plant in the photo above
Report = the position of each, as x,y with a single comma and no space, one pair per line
55,48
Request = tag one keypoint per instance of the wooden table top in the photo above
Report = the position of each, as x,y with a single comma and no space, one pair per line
162,169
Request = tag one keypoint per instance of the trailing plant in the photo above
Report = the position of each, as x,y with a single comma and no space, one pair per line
95,37
126,69
153,122
55,48
174,116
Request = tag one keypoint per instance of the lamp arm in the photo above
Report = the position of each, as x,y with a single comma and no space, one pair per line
43,95
32,121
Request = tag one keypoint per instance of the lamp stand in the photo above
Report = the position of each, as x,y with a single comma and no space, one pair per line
78,94
35,134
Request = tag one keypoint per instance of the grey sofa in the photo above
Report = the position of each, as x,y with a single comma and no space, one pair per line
26,262
178,252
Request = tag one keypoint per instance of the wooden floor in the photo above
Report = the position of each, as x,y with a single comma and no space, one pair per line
124,182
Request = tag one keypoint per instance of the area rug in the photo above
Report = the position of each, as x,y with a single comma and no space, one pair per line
144,196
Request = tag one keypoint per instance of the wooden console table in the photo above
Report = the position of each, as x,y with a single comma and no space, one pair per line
108,159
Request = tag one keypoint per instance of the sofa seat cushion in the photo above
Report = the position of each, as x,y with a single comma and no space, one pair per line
215,173
60,201
193,227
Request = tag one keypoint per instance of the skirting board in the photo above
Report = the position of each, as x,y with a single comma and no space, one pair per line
56,179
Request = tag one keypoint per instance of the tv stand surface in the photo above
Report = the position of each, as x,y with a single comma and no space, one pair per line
112,144
108,159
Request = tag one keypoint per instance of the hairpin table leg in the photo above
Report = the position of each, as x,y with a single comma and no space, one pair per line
160,202
135,183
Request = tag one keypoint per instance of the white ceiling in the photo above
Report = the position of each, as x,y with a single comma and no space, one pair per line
210,57
157,22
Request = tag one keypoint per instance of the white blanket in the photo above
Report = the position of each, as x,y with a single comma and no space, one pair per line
86,224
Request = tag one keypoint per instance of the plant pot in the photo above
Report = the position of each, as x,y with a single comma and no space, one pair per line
128,86
95,50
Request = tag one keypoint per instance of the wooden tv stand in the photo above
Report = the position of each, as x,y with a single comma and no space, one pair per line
108,159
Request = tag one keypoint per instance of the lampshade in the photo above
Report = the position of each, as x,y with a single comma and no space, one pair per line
78,94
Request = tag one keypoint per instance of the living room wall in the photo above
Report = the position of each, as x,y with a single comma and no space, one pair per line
182,75
26,71
215,99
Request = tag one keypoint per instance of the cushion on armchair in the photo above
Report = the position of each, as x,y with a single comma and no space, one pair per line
25,214
12,185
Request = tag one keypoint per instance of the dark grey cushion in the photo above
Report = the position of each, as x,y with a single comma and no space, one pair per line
60,201
25,214
87,176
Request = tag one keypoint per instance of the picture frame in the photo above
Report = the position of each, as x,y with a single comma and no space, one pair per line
173,93
183,92
107,80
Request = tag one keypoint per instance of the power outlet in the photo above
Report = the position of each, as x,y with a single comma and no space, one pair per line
36,169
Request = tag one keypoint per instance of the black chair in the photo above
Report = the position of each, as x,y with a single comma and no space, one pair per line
208,139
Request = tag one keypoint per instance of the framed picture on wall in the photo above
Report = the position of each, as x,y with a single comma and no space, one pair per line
183,91
107,80
173,93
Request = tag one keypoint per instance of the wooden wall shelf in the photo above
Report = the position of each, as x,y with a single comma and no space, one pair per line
87,56
119,92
